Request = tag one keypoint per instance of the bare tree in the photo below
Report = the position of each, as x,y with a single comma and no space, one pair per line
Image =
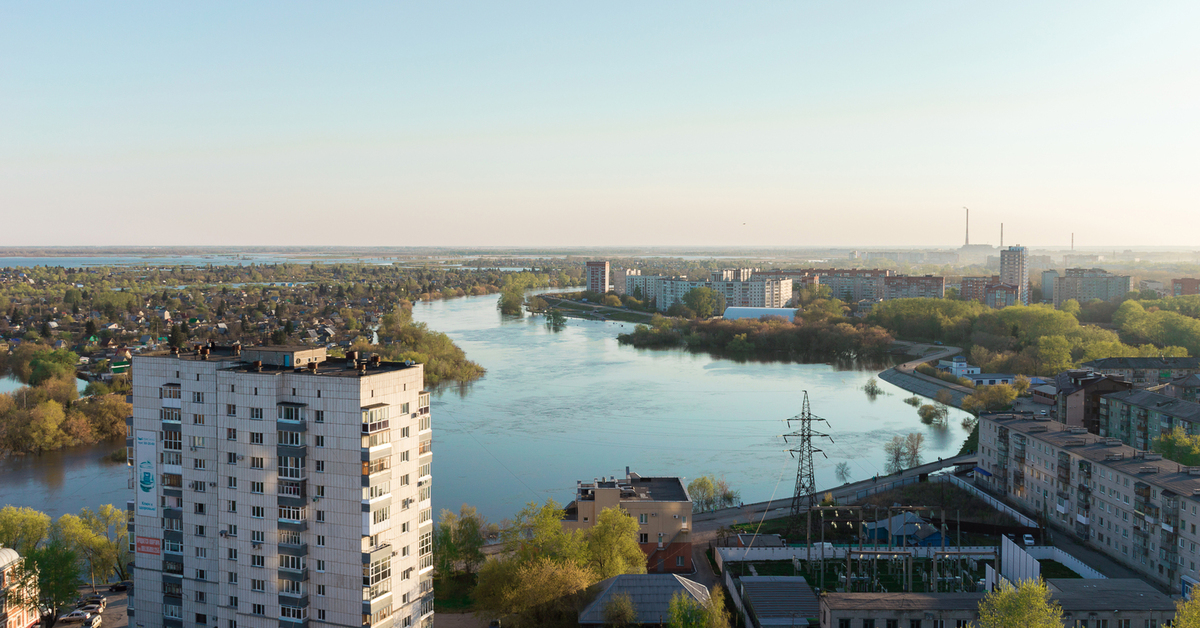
842,471
895,454
912,448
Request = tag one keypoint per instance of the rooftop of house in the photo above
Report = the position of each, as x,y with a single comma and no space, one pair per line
651,595
1075,596
1143,466
634,487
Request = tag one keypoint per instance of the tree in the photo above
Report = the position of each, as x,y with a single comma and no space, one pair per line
1021,385
90,551
556,320
685,612
1178,446
612,300
22,528
619,610
1028,605
610,546
933,414
461,538
110,538
55,569
540,592
912,448
944,397
842,471
703,493
988,398
1187,613
705,302
537,531
894,454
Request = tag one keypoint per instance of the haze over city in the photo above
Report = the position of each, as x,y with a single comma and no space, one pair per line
599,125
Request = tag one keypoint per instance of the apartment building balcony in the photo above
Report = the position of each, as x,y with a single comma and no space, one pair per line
293,623
294,575
293,549
1018,478
300,450
1064,474
295,599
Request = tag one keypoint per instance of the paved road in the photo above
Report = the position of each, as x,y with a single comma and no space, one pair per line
906,377
595,306
775,509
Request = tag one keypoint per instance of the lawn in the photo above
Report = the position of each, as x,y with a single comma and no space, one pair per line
1055,569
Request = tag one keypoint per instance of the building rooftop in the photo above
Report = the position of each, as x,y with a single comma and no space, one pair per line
1079,595
651,595
636,488
780,600
248,360
1143,466
1178,408
1144,363
902,601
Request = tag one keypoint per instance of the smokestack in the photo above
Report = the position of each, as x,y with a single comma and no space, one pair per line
968,243
1001,235
1072,242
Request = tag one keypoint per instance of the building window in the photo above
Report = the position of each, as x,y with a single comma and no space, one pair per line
321,611
197,419
199,530
643,518
258,585
230,409
319,415
233,577
258,609
256,463
320,540
256,413
256,438
256,512
258,560
233,554
200,574
321,516
320,466
319,441
256,487
643,538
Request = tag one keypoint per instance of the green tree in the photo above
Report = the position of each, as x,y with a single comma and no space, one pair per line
989,398
703,492
685,612
110,538
1027,605
610,546
540,592
22,528
55,569
462,537
1070,306
933,414
537,531
705,302
619,610
1178,446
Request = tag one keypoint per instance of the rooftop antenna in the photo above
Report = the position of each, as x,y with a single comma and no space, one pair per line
968,243
805,496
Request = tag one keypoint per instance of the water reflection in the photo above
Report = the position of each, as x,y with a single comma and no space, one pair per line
66,480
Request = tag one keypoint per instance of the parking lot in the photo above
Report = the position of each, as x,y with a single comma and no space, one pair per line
115,614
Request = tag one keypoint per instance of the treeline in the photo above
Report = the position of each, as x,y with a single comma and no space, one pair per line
1162,322
401,338
58,553
512,293
1033,340
48,414
772,338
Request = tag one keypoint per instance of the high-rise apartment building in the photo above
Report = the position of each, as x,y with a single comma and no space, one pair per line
619,276
597,277
275,487
1185,286
1014,270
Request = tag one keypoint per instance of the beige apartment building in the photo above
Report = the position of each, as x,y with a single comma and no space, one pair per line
661,506
1135,507
276,487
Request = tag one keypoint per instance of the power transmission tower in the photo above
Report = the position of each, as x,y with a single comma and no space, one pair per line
806,484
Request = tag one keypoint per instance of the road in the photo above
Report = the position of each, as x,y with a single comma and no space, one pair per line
775,509
594,307
906,377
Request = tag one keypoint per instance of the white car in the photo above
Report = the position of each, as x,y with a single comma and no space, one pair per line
94,622
75,616
94,609
1028,539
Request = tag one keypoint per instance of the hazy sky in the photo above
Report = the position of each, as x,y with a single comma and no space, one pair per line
570,123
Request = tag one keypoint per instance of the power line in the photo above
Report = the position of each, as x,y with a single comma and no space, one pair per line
805,497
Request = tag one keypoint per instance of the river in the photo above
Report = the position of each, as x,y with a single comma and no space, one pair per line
559,407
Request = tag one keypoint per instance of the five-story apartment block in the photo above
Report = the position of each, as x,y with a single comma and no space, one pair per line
276,487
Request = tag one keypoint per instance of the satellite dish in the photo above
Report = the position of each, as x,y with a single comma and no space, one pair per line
408,363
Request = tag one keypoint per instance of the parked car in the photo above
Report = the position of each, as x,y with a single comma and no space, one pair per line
120,586
94,622
94,608
75,616
91,599
1028,538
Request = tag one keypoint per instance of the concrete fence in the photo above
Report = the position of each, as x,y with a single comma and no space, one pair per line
992,501
1048,552
884,487
737,598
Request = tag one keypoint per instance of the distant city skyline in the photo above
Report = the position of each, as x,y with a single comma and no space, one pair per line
540,124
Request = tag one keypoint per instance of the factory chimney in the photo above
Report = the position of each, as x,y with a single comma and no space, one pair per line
968,243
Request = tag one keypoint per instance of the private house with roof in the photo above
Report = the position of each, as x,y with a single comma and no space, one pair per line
661,506
650,593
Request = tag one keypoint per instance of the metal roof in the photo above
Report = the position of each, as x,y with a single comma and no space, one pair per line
779,600
651,595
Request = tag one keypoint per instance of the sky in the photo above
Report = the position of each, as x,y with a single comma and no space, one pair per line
599,124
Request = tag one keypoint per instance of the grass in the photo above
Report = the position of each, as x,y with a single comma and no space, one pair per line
1055,569
454,595
940,495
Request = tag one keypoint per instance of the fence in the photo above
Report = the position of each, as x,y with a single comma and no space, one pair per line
992,501
887,486
737,598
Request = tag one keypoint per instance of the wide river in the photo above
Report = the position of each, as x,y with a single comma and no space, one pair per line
574,405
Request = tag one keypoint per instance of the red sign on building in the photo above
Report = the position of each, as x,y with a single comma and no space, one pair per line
147,545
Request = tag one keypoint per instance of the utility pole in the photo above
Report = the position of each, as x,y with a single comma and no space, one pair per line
804,497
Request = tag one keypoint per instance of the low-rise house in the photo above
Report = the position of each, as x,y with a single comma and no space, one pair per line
12,613
661,506
650,593
957,366
991,379
904,529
